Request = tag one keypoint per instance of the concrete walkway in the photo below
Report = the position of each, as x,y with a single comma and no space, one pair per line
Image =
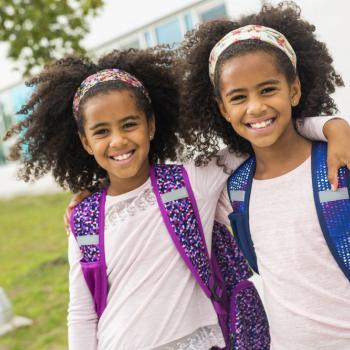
10,186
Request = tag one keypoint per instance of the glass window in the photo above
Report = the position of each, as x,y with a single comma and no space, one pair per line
148,39
188,21
213,13
169,33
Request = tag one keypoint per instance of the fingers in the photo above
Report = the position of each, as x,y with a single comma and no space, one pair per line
333,174
75,200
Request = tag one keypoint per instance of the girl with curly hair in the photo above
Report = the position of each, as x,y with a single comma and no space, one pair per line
109,123
248,82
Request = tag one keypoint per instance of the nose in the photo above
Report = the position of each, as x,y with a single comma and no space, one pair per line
256,106
117,140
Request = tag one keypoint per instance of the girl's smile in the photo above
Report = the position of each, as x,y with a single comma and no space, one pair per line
117,134
257,99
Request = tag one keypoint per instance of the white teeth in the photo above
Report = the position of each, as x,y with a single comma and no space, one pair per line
261,125
123,156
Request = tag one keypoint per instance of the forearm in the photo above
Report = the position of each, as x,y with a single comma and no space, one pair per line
319,128
82,318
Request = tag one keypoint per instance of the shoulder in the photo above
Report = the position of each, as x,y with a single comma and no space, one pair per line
86,211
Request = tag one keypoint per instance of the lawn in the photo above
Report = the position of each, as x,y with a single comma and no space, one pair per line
33,255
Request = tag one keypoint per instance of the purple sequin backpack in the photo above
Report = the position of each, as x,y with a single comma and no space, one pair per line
223,277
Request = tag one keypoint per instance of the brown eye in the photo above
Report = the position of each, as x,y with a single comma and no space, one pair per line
129,125
237,98
268,90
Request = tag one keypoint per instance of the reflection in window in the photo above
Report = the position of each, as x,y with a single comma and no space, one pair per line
169,33
213,13
188,21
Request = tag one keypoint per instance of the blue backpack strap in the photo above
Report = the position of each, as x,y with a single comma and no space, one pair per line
333,208
87,224
239,186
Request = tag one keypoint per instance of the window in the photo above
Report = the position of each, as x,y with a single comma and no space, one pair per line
169,33
188,21
213,13
148,39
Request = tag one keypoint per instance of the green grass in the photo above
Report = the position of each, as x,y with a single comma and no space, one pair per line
34,270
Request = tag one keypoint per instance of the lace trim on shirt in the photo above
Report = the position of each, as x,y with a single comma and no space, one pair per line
129,207
202,339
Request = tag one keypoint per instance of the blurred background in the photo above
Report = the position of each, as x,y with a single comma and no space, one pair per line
33,32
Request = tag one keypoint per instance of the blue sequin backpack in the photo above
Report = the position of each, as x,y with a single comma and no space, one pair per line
223,277
333,208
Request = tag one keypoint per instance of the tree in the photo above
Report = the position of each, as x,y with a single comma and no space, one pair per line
39,31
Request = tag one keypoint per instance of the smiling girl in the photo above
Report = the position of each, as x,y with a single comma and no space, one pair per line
266,72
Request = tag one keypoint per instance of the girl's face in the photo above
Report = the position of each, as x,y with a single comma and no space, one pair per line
117,134
256,98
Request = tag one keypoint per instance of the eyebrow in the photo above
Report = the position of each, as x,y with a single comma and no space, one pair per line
267,82
101,124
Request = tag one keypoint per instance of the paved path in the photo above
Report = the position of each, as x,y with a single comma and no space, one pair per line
10,186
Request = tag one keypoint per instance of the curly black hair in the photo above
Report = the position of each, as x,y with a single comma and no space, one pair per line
50,132
200,118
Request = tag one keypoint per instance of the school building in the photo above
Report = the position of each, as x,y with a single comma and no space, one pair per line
169,29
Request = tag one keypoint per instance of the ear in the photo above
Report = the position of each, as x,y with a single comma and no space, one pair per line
295,92
222,109
85,144
152,126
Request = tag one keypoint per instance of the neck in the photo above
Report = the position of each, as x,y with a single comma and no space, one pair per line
287,153
120,186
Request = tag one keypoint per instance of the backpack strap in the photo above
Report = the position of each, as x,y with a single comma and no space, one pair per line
179,210
180,214
239,186
87,225
333,208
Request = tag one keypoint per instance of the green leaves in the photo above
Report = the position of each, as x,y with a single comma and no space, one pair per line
39,31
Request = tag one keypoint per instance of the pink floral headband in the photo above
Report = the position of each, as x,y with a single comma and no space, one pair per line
250,32
103,76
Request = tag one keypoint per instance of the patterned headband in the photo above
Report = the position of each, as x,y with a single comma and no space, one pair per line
101,77
250,32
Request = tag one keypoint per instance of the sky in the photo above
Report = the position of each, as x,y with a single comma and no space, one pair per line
120,16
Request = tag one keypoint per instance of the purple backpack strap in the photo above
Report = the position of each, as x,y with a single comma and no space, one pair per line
180,214
87,225
223,278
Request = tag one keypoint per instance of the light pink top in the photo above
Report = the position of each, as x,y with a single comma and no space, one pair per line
307,296
153,301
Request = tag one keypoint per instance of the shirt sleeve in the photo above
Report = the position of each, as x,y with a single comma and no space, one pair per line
223,208
312,127
208,180
82,318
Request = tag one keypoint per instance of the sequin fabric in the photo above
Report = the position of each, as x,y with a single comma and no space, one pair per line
86,223
183,219
232,263
336,213
239,182
251,326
